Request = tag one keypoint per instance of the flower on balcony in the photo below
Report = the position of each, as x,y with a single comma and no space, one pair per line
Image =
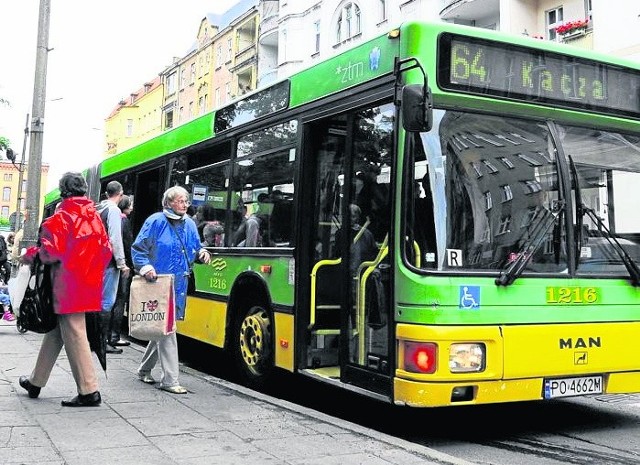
572,26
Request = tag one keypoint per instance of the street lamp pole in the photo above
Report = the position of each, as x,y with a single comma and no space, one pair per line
37,127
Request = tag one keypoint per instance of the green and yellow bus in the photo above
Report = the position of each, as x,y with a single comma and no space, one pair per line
446,217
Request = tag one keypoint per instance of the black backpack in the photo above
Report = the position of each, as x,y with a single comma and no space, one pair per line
36,310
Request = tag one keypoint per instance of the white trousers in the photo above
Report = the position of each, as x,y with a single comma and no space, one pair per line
165,349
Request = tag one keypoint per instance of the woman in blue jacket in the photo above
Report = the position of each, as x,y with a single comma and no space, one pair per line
168,243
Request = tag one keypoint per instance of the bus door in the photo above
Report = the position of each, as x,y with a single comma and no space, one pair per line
350,271
149,187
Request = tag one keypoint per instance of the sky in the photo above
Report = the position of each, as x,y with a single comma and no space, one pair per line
100,52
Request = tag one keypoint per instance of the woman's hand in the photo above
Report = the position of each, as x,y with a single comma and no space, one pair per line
151,276
204,256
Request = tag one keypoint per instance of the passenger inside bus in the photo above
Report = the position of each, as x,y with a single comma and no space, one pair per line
363,244
254,231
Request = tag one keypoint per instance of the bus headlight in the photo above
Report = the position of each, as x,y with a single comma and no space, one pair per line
420,357
467,357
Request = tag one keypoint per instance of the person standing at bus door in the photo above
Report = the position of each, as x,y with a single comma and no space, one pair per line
17,239
363,245
168,243
110,214
124,283
73,240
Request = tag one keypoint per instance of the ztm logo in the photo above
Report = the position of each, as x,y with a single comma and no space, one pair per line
218,264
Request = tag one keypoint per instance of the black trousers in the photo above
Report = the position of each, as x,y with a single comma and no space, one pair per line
117,313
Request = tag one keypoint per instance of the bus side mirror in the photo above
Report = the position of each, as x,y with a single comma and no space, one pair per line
416,108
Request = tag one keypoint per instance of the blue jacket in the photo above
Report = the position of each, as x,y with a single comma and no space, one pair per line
158,244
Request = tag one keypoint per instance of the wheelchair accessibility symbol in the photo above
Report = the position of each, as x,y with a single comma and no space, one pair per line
469,297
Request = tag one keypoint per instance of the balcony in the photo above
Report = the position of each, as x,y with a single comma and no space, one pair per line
268,31
469,11
244,57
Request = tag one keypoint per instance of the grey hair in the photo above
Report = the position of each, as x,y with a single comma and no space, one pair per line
171,194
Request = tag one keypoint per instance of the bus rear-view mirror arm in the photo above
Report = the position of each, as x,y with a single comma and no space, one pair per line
415,101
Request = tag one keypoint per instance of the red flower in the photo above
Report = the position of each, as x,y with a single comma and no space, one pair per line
572,25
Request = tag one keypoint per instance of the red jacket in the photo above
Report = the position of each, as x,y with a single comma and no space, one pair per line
75,242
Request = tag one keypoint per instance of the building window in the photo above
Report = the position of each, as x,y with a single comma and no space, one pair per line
229,49
488,203
383,10
171,83
190,109
227,92
529,160
505,223
506,162
8,176
129,127
554,19
183,77
587,10
219,56
316,27
476,169
201,105
348,24
507,195
490,168
531,187
6,194
193,73
168,121
217,96
5,212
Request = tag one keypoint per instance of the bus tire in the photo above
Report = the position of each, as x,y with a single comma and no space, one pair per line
253,346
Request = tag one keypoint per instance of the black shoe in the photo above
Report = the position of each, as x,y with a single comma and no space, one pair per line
113,350
86,400
120,342
34,391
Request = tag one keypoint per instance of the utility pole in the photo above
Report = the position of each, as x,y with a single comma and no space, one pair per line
37,128
21,169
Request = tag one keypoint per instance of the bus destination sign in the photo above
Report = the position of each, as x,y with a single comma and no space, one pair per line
514,72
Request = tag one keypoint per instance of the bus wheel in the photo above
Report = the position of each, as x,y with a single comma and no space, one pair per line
254,346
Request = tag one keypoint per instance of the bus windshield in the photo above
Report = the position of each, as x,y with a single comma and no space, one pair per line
482,183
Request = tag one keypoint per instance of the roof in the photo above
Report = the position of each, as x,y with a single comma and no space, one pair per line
226,18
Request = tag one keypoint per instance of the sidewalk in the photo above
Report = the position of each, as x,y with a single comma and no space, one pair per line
217,422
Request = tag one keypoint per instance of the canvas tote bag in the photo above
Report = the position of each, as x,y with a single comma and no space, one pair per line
152,307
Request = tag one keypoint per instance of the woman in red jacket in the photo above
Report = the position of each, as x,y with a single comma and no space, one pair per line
74,242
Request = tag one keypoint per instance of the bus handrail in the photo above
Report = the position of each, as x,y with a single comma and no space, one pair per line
314,272
361,294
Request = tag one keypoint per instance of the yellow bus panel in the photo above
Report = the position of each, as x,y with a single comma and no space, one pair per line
205,321
284,340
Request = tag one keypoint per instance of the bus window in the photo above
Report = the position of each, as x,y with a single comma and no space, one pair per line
209,196
262,186
501,183
607,168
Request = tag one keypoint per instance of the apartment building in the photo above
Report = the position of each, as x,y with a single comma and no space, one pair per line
260,41
13,184
221,65
135,119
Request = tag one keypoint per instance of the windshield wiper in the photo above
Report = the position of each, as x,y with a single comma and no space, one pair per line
581,210
627,261
536,237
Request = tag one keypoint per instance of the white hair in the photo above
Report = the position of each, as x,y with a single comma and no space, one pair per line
172,193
